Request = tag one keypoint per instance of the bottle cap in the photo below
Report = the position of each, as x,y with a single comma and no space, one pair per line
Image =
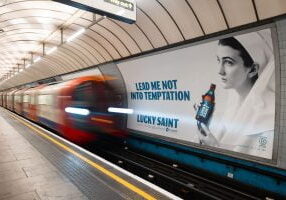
213,86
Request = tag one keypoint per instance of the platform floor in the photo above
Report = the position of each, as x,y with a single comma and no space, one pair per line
37,165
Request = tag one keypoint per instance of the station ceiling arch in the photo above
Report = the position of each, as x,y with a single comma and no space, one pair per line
31,28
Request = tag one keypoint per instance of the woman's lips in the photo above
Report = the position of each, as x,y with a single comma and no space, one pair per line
223,79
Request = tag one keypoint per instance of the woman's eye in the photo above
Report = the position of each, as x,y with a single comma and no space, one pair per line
228,62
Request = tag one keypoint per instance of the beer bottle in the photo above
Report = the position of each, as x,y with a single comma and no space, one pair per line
207,105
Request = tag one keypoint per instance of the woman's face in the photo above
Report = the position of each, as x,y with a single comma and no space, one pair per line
231,67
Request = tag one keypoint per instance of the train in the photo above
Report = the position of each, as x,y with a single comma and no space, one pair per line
77,109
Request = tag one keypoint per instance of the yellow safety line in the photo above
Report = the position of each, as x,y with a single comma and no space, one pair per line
95,165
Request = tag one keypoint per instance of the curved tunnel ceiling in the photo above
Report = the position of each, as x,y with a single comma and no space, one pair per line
25,25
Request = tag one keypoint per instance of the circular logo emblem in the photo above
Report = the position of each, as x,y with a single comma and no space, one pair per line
263,141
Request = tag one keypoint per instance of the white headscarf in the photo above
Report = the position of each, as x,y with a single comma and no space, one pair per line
259,46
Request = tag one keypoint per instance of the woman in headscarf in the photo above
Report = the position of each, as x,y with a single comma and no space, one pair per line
246,69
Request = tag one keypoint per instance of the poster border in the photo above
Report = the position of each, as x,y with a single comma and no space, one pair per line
274,160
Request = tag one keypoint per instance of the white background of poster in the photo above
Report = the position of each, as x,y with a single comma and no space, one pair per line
195,68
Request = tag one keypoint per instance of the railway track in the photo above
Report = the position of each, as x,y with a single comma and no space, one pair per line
179,180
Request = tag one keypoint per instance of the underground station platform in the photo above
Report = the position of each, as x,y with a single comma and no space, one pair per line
37,164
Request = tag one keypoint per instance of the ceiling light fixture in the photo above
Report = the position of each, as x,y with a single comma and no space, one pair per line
37,59
52,50
71,38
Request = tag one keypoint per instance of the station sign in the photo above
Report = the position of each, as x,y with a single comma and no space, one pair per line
123,10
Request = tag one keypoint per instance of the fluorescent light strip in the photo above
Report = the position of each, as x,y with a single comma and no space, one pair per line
37,59
52,50
78,111
18,21
71,38
120,110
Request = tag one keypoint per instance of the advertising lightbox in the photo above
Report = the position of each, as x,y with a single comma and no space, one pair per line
219,94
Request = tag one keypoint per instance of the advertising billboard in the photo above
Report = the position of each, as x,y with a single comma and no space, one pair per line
219,94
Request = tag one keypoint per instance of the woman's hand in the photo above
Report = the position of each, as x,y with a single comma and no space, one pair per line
205,136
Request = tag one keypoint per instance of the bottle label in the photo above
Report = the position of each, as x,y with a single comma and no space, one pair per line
204,110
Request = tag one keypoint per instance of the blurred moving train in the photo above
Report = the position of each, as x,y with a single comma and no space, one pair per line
77,109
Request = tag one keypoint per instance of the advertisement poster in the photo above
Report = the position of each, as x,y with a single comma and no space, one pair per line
219,94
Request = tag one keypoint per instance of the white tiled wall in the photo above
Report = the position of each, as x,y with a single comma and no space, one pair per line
281,127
